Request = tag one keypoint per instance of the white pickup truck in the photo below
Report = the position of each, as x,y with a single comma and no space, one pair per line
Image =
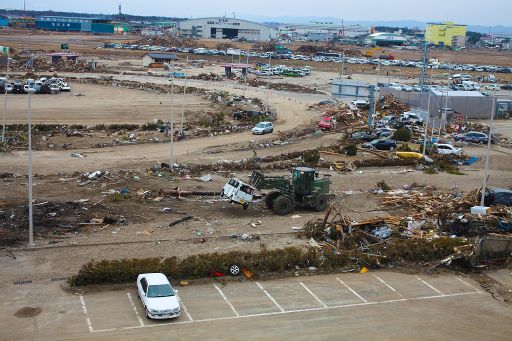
239,192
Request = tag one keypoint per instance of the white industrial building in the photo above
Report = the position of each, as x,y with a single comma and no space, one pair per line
323,31
225,28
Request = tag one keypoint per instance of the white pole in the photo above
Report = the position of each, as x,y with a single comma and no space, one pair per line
171,119
5,99
428,120
183,102
30,216
488,153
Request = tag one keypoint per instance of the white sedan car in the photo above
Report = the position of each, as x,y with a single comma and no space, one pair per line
158,296
263,128
446,149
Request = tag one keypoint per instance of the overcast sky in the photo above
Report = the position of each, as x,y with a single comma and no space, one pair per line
476,12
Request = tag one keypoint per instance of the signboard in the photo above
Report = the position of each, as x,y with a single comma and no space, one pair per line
4,49
64,46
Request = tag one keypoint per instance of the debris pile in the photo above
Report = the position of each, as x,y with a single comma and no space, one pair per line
388,105
169,41
256,82
208,77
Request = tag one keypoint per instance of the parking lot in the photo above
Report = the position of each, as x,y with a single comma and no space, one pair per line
306,308
118,310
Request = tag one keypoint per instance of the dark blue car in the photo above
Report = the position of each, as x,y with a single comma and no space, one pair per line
380,144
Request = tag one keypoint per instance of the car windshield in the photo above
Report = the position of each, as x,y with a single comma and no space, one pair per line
161,290
260,125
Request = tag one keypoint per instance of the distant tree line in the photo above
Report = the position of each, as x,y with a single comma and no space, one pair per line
18,12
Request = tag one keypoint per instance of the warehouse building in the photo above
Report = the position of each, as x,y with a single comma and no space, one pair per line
386,39
80,24
226,28
446,34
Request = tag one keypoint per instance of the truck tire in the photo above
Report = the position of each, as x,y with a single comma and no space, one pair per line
270,198
320,202
282,205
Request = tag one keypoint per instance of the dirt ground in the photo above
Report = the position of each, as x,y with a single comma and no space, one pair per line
68,204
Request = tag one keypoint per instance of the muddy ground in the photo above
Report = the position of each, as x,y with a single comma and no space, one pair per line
77,219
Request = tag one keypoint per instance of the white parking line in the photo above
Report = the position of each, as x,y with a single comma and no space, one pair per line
428,285
386,284
314,296
135,309
84,309
226,299
270,297
352,290
294,311
469,285
185,309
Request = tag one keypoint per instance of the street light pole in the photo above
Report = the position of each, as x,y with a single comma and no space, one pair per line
30,211
488,152
183,102
268,81
171,119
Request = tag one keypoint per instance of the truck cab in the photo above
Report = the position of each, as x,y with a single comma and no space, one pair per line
239,192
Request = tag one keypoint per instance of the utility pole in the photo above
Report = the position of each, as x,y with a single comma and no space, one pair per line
488,152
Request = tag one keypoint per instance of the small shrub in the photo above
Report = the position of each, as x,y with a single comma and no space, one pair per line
430,170
404,148
351,150
383,185
402,134
311,157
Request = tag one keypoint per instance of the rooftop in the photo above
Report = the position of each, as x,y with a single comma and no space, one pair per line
161,55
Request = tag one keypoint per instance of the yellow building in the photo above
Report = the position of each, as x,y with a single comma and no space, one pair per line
447,34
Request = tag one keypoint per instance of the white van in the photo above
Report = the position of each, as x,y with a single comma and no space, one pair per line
239,192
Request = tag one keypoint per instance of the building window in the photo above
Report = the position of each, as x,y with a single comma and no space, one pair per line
211,23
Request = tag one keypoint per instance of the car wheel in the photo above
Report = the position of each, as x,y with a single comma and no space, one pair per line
222,193
234,270
246,206
146,312
271,131
391,148
481,141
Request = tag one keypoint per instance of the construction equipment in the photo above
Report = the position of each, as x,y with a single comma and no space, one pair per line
304,189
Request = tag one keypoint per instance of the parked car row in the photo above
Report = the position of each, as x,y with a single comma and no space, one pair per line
319,58
41,86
